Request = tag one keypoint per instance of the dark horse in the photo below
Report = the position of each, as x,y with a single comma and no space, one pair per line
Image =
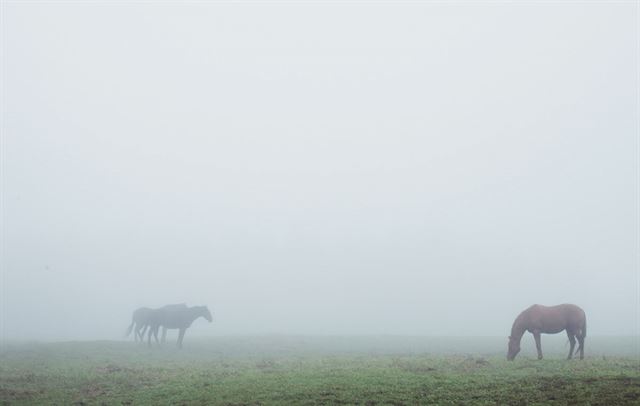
175,317
140,320
539,319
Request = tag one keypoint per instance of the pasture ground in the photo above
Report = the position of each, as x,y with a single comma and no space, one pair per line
319,371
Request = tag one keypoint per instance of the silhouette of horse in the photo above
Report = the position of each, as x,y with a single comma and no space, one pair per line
539,319
140,320
174,317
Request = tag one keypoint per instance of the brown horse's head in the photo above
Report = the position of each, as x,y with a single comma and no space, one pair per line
514,348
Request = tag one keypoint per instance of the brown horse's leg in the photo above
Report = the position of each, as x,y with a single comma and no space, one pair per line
536,335
572,342
581,347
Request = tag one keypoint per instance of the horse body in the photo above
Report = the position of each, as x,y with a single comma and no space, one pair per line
141,320
174,317
539,319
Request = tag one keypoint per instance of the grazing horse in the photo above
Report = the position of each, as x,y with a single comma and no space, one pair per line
539,319
176,317
140,320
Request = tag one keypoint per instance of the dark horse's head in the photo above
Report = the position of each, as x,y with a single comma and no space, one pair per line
204,312
514,348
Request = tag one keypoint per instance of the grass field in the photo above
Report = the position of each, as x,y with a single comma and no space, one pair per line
319,370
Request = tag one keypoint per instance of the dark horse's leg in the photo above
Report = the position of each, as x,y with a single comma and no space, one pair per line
572,342
155,334
144,330
536,335
136,327
181,336
164,334
139,335
153,330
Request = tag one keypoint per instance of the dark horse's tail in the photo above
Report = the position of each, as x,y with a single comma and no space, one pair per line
582,334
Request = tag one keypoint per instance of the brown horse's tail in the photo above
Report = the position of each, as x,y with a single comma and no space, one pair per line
582,334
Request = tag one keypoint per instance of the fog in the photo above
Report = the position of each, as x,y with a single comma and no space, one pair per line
318,169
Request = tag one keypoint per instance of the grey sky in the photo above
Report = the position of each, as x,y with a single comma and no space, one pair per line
305,168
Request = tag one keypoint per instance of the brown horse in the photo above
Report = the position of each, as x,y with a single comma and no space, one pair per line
539,319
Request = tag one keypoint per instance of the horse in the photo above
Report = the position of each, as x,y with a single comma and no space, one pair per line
175,318
140,320
539,319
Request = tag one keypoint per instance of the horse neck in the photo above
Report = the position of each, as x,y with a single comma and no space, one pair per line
194,313
519,327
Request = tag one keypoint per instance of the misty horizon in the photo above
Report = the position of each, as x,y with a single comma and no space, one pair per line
431,170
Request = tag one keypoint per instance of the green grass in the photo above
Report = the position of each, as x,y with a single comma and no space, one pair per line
312,371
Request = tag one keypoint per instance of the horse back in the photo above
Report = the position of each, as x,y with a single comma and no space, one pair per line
553,319
174,316
142,314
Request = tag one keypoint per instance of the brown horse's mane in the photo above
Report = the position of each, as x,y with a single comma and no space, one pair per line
517,330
